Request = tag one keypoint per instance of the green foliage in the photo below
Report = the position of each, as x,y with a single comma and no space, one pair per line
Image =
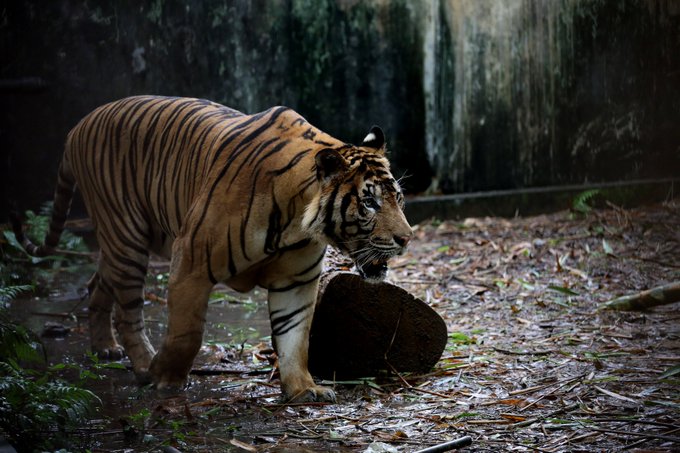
8,293
37,410
459,338
580,202
17,266
39,224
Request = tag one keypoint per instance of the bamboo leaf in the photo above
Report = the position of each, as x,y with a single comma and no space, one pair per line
672,371
563,290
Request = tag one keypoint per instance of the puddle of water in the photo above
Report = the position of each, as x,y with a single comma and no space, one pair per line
229,323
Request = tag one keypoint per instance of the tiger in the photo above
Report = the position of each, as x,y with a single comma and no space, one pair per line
246,200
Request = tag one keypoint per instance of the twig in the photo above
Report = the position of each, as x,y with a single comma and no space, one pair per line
568,381
615,395
543,417
631,433
219,372
62,314
294,404
661,295
448,446
577,438
415,389
530,389
151,297
506,351
635,422
660,263
642,441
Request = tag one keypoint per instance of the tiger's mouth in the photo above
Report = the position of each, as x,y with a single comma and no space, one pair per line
375,270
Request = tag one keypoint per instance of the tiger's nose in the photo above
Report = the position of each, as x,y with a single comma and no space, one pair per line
403,241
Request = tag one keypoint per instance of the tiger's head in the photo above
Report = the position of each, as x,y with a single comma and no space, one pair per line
359,208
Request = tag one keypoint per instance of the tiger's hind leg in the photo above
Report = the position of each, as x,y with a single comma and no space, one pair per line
102,336
126,279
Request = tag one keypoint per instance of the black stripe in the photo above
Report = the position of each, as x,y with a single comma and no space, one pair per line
211,276
231,265
293,162
313,265
281,321
285,329
273,238
133,304
273,151
295,245
105,287
295,285
256,152
246,217
276,113
329,225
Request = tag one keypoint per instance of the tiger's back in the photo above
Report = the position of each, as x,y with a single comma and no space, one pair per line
141,161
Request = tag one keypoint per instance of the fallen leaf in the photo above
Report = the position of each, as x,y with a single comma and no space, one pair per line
242,445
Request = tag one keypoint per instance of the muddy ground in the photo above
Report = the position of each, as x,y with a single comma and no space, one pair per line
530,363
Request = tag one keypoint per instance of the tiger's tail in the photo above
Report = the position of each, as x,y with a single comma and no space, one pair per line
63,195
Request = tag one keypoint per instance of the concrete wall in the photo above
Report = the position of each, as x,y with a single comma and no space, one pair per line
528,93
473,94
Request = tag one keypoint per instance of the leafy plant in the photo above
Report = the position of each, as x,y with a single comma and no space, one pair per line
8,293
580,202
36,228
37,410
17,344
17,266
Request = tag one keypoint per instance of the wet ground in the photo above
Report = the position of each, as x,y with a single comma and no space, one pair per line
531,364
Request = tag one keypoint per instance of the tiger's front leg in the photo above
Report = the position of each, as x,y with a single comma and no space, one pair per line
291,312
188,293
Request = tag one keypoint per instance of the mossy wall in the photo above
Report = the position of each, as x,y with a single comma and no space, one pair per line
543,92
472,94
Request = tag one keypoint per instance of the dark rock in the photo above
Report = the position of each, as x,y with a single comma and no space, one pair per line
54,330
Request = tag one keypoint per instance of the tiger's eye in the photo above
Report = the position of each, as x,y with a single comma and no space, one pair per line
370,203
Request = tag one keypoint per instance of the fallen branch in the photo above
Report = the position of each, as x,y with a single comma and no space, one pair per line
531,421
632,433
644,440
447,446
226,371
661,295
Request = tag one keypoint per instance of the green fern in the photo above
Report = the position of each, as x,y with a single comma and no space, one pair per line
17,266
39,413
37,410
37,226
18,343
8,293
580,202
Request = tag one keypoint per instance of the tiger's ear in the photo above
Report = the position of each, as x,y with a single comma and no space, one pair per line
329,163
375,139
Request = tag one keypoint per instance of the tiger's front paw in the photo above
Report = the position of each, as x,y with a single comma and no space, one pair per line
315,393
169,384
166,378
